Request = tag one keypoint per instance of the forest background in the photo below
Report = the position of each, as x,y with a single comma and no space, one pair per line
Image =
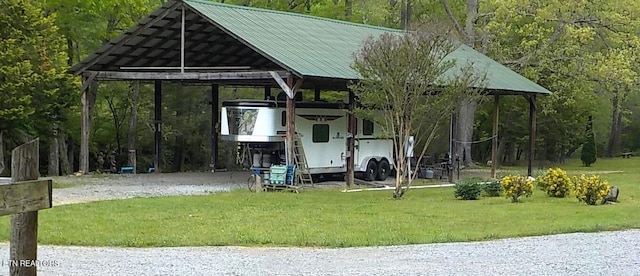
585,51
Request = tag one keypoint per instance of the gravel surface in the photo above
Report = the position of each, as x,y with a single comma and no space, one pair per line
606,253
119,186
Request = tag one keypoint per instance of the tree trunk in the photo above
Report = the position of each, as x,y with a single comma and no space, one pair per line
613,146
2,163
464,134
466,116
348,9
133,119
65,164
54,151
89,101
405,15
116,124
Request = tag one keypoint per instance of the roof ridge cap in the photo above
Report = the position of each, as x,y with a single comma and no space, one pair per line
295,14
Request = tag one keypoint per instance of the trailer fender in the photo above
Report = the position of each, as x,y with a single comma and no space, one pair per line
363,164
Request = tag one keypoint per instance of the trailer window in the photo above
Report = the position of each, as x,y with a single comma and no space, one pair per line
320,133
367,127
283,119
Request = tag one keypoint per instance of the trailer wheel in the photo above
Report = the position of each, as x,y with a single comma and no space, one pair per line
383,170
372,170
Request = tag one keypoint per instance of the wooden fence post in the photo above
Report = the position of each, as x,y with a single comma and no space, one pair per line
24,226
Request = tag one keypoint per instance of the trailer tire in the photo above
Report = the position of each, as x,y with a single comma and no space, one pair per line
372,170
383,170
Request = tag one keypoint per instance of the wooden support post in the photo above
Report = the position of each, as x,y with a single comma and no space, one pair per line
267,92
291,125
532,133
494,139
85,126
453,147
215,122
351,135
24,226
258,186
157,126
316,94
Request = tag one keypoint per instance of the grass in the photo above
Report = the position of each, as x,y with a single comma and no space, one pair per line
329,218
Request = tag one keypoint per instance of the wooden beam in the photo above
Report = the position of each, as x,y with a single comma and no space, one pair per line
25,196
215,121
285,87
316,94
532,133
494,139
186,68
127,36
202,76
157,126
351,136
85,83
267,91
23,241
85,124
290,123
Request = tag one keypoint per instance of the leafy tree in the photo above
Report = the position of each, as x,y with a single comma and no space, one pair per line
35,89
582,52
402,84
589,154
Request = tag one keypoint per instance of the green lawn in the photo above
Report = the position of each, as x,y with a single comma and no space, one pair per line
334,219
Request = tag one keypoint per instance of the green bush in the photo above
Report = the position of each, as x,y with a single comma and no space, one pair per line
555,182
468,189
590,189
516,186
492,188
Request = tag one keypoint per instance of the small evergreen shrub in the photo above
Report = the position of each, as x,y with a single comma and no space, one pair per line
591,189
516,186
492,188
468,189
555,182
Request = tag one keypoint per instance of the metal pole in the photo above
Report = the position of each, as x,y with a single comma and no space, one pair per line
182,42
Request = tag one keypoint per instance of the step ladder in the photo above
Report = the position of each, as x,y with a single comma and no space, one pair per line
302,168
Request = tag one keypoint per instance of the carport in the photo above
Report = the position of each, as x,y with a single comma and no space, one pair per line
195,41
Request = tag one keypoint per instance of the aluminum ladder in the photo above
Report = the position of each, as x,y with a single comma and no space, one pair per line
302,167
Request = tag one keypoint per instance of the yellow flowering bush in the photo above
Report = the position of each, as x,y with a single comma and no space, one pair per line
555,182
515,186
590,189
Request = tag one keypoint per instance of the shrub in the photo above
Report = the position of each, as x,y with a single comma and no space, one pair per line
555,182
591,189
515,186
492,188
468,189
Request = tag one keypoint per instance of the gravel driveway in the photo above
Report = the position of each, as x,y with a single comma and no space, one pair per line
606,253
119,186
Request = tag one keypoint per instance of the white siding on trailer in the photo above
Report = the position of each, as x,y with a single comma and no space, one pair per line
328,154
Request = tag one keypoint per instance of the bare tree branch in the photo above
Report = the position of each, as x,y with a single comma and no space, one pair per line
457,25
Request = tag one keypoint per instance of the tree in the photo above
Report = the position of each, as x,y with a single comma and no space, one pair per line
35,89
402,84
589,153
466,116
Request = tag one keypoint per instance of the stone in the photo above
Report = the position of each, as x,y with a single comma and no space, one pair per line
612,197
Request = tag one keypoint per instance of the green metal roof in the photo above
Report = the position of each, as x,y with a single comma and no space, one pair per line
320,47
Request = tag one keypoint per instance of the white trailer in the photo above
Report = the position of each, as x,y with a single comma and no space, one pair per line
260,128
